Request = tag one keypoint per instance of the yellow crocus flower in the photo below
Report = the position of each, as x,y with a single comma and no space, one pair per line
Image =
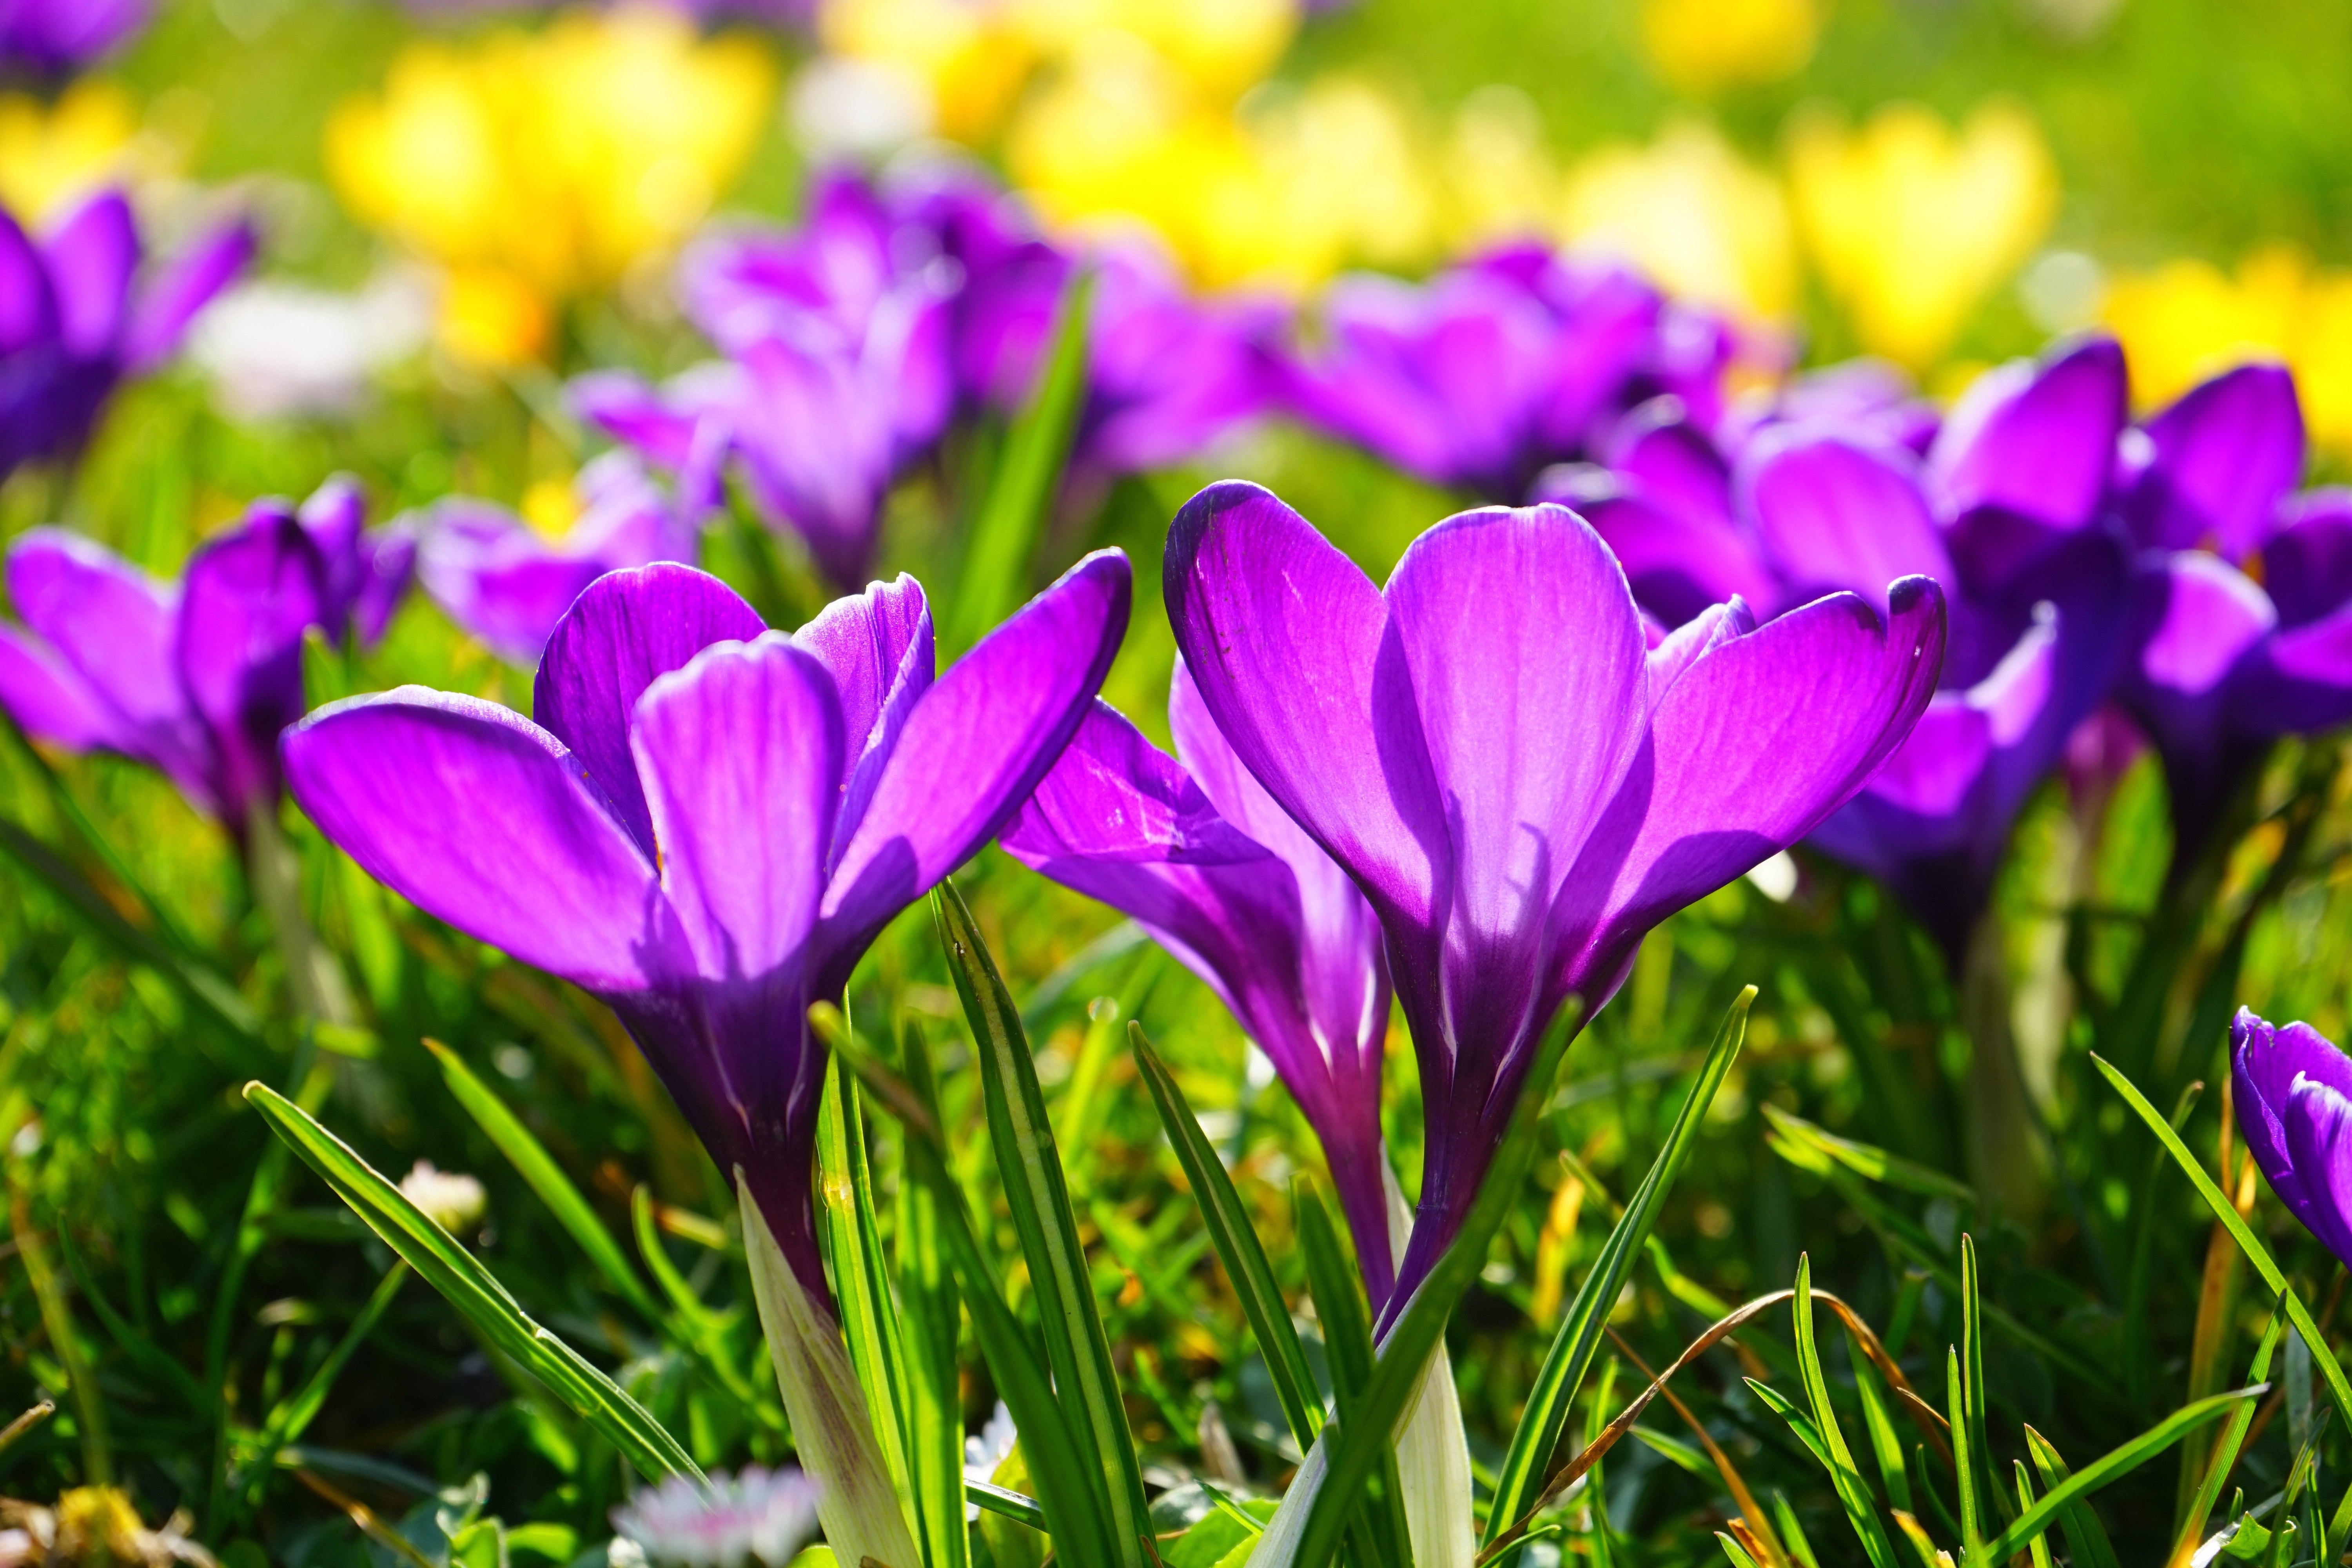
2182,322
1694,215
51,157
1705,46
540,167
969,56
1910,225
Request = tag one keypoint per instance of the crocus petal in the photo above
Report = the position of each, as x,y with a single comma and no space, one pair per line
114,625
629,410
50,702
1831,514
976,744
28,310
1675,467
248,596
2221,460
740,754
1283,634
2267,1061
92,259
878,648
1679,563
628,629
483,819
2301,681
2318,1121
172,297
2307,564
2031,443
2206,616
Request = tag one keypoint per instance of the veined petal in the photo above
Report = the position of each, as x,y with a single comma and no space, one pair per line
625,630
1833,515
739,754
976,744
483,819
2318,1121
878,647
2222,459
91,257
1283,632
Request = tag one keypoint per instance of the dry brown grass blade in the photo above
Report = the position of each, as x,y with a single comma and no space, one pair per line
1754,1533
360,1514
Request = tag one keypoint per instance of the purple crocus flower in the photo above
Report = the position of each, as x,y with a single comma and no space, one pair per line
1495,369
708,821
2294,1092
79,311
2241,616
2006,506
510,585
195,677
51,37
1519,786
1199,855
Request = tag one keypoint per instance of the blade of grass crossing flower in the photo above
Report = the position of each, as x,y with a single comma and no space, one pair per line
1860,1508
1415,1334
2117,1461
2227,1213
2087,1538
930,1318
1520,1478
2224,1456
1077,1347
870,1320
475,1293
1237,1244
1028,468
546,1178
1335,1289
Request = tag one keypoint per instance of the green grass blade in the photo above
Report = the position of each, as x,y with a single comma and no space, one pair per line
1792,1531
1001,1500
2087,1538
1519,1481
1866,1160
2040,1544
477,1296
1732,1550
1972,1386
1028,470
1415,1334
1921,1542
1860,1508
931,1316
546,1178
2224,1458
2227,1213
2115,1462
1336,1288
1964,1456
869,1318
1077,1347
1879,1425
1237,1245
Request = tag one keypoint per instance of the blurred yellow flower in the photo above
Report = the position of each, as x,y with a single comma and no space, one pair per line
1690,212
2184,321
540,167
1499,178
968,55
1911,226
52,157
1704,45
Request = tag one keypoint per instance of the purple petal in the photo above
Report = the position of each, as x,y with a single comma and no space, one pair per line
247,597
2307,564
2220,460
1673,465
626,630
2033,441
172,297
975,745
2211,615
481,818
878,648
114,625
2302,682
28,310
1833,515
91,257
1678,563
50,702
1283,632
629,410
2318,1122
2265,1061
739,756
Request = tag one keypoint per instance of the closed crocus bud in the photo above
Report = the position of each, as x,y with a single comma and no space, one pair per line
2293,1092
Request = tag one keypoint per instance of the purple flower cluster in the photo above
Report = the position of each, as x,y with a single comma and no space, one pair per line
49,37
196,677
852,342
82,308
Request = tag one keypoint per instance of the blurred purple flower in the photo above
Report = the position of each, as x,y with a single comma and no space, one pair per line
1495,369
2294,1092
80,311
1204,859
2240,628
1847,487
509,584
1519,786
51,37
708,821
195,677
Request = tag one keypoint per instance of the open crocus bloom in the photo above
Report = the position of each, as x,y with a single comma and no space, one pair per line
706,826
195,677
79,311
1199,855
1519,786
2293,1092
509,584
2241,615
